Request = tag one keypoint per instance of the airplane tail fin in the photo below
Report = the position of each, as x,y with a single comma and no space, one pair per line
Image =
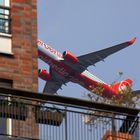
122,86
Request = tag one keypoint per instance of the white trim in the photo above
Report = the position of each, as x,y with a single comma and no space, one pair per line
7,3
5,35
6,45
7,53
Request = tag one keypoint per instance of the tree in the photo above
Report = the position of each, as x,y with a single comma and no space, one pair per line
127,99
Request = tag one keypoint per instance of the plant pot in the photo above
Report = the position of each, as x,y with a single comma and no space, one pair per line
50,117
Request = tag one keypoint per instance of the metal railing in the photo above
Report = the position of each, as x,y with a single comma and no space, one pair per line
5,20
88,124
59,119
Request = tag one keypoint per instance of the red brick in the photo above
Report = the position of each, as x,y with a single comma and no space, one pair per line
22,68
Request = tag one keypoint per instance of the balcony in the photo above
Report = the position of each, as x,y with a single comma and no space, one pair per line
64,118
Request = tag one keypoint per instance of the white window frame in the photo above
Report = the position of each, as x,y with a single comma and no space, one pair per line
6,3
5,38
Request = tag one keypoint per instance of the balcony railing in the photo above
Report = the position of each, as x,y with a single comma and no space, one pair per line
5,20
64,118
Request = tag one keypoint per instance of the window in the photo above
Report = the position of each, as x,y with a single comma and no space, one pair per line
6,83
4,17
5,28
5,3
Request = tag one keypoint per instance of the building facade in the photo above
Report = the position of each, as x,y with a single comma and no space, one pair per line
18,55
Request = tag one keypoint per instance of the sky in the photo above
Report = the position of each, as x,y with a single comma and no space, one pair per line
84,26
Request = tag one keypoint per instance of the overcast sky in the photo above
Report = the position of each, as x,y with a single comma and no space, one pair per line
84,26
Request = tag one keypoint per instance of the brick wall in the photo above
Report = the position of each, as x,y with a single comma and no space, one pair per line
22,66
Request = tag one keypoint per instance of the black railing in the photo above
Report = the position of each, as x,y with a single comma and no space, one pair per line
64,118
5,20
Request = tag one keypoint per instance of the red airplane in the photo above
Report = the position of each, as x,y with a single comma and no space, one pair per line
66,68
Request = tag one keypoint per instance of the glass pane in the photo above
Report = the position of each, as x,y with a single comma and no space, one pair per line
1,2
2,22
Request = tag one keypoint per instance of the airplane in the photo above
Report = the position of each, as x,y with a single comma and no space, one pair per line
67,67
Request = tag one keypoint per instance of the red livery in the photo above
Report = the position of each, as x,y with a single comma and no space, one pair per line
67,67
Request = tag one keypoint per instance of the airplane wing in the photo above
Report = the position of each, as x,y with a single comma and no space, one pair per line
52,86
92,58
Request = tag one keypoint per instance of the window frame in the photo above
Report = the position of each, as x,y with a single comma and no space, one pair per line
5,19
5,33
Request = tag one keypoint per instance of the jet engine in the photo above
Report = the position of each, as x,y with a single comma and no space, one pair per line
70,57
43,74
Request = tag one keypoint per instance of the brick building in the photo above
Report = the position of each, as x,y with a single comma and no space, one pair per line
18,55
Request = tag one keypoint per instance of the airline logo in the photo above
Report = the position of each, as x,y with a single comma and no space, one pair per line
48,48
124,85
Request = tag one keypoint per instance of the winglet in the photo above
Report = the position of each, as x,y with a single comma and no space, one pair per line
132,41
